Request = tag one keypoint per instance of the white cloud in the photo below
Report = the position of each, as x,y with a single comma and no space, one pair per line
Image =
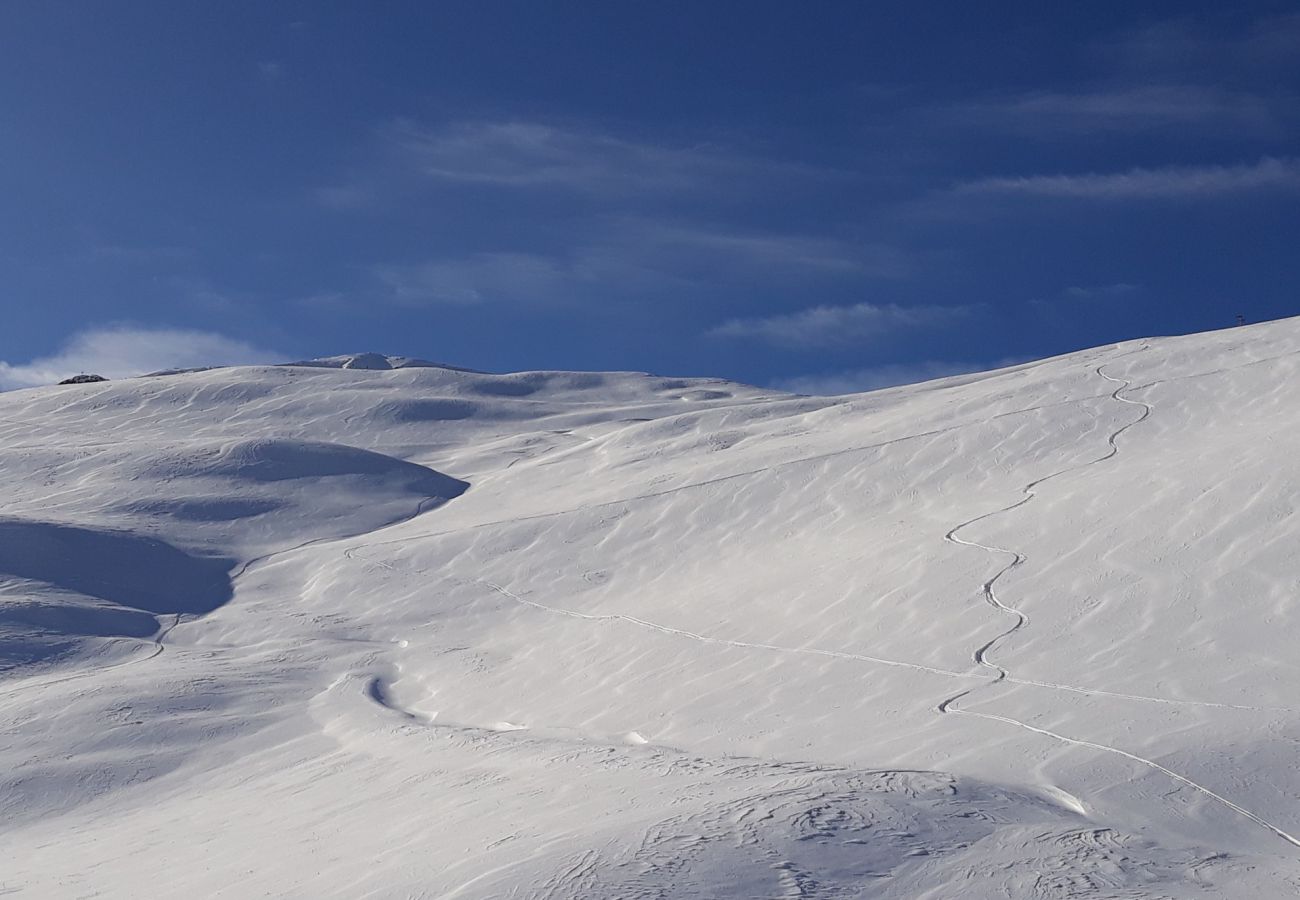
649,239
1197,46
1133,109
822,326
482,276
1085,299
1172,183
520,154
535,155
634,254
528,154
271,69
121,351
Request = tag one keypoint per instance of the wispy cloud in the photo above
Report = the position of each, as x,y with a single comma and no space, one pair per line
120,351
1078,296
1193,45
1171,78
874,378
590,210
529,154
480,277
822,326
1133,109
271,70
622,255
771,250
536,154
1171,183
532,155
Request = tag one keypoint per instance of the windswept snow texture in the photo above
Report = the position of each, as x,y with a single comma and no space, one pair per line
369,627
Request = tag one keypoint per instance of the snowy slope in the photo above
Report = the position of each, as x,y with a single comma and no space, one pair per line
357,629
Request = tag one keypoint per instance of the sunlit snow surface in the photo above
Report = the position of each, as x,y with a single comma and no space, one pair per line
397,630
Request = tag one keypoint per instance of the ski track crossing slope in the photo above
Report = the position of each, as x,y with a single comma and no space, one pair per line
374,627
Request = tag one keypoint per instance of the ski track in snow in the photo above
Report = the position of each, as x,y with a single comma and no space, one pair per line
840,654
157,642
982,654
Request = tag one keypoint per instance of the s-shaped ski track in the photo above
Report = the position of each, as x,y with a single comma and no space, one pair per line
983,653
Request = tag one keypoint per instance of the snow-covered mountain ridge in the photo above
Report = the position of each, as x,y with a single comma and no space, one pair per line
349,629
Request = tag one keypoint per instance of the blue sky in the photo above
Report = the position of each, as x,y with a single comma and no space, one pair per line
824,197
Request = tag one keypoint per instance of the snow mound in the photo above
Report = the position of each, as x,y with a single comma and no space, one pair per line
280,459
279,491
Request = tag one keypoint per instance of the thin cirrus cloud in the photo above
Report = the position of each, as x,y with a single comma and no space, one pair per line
121,351
473,279
1164,78
1170,183
528,155
770,250
1077,295
1140,109
634,254
826,326
1187,45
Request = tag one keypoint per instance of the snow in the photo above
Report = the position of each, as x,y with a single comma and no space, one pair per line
352,629
373,361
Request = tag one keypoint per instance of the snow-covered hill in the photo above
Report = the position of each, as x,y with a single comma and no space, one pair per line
357,629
